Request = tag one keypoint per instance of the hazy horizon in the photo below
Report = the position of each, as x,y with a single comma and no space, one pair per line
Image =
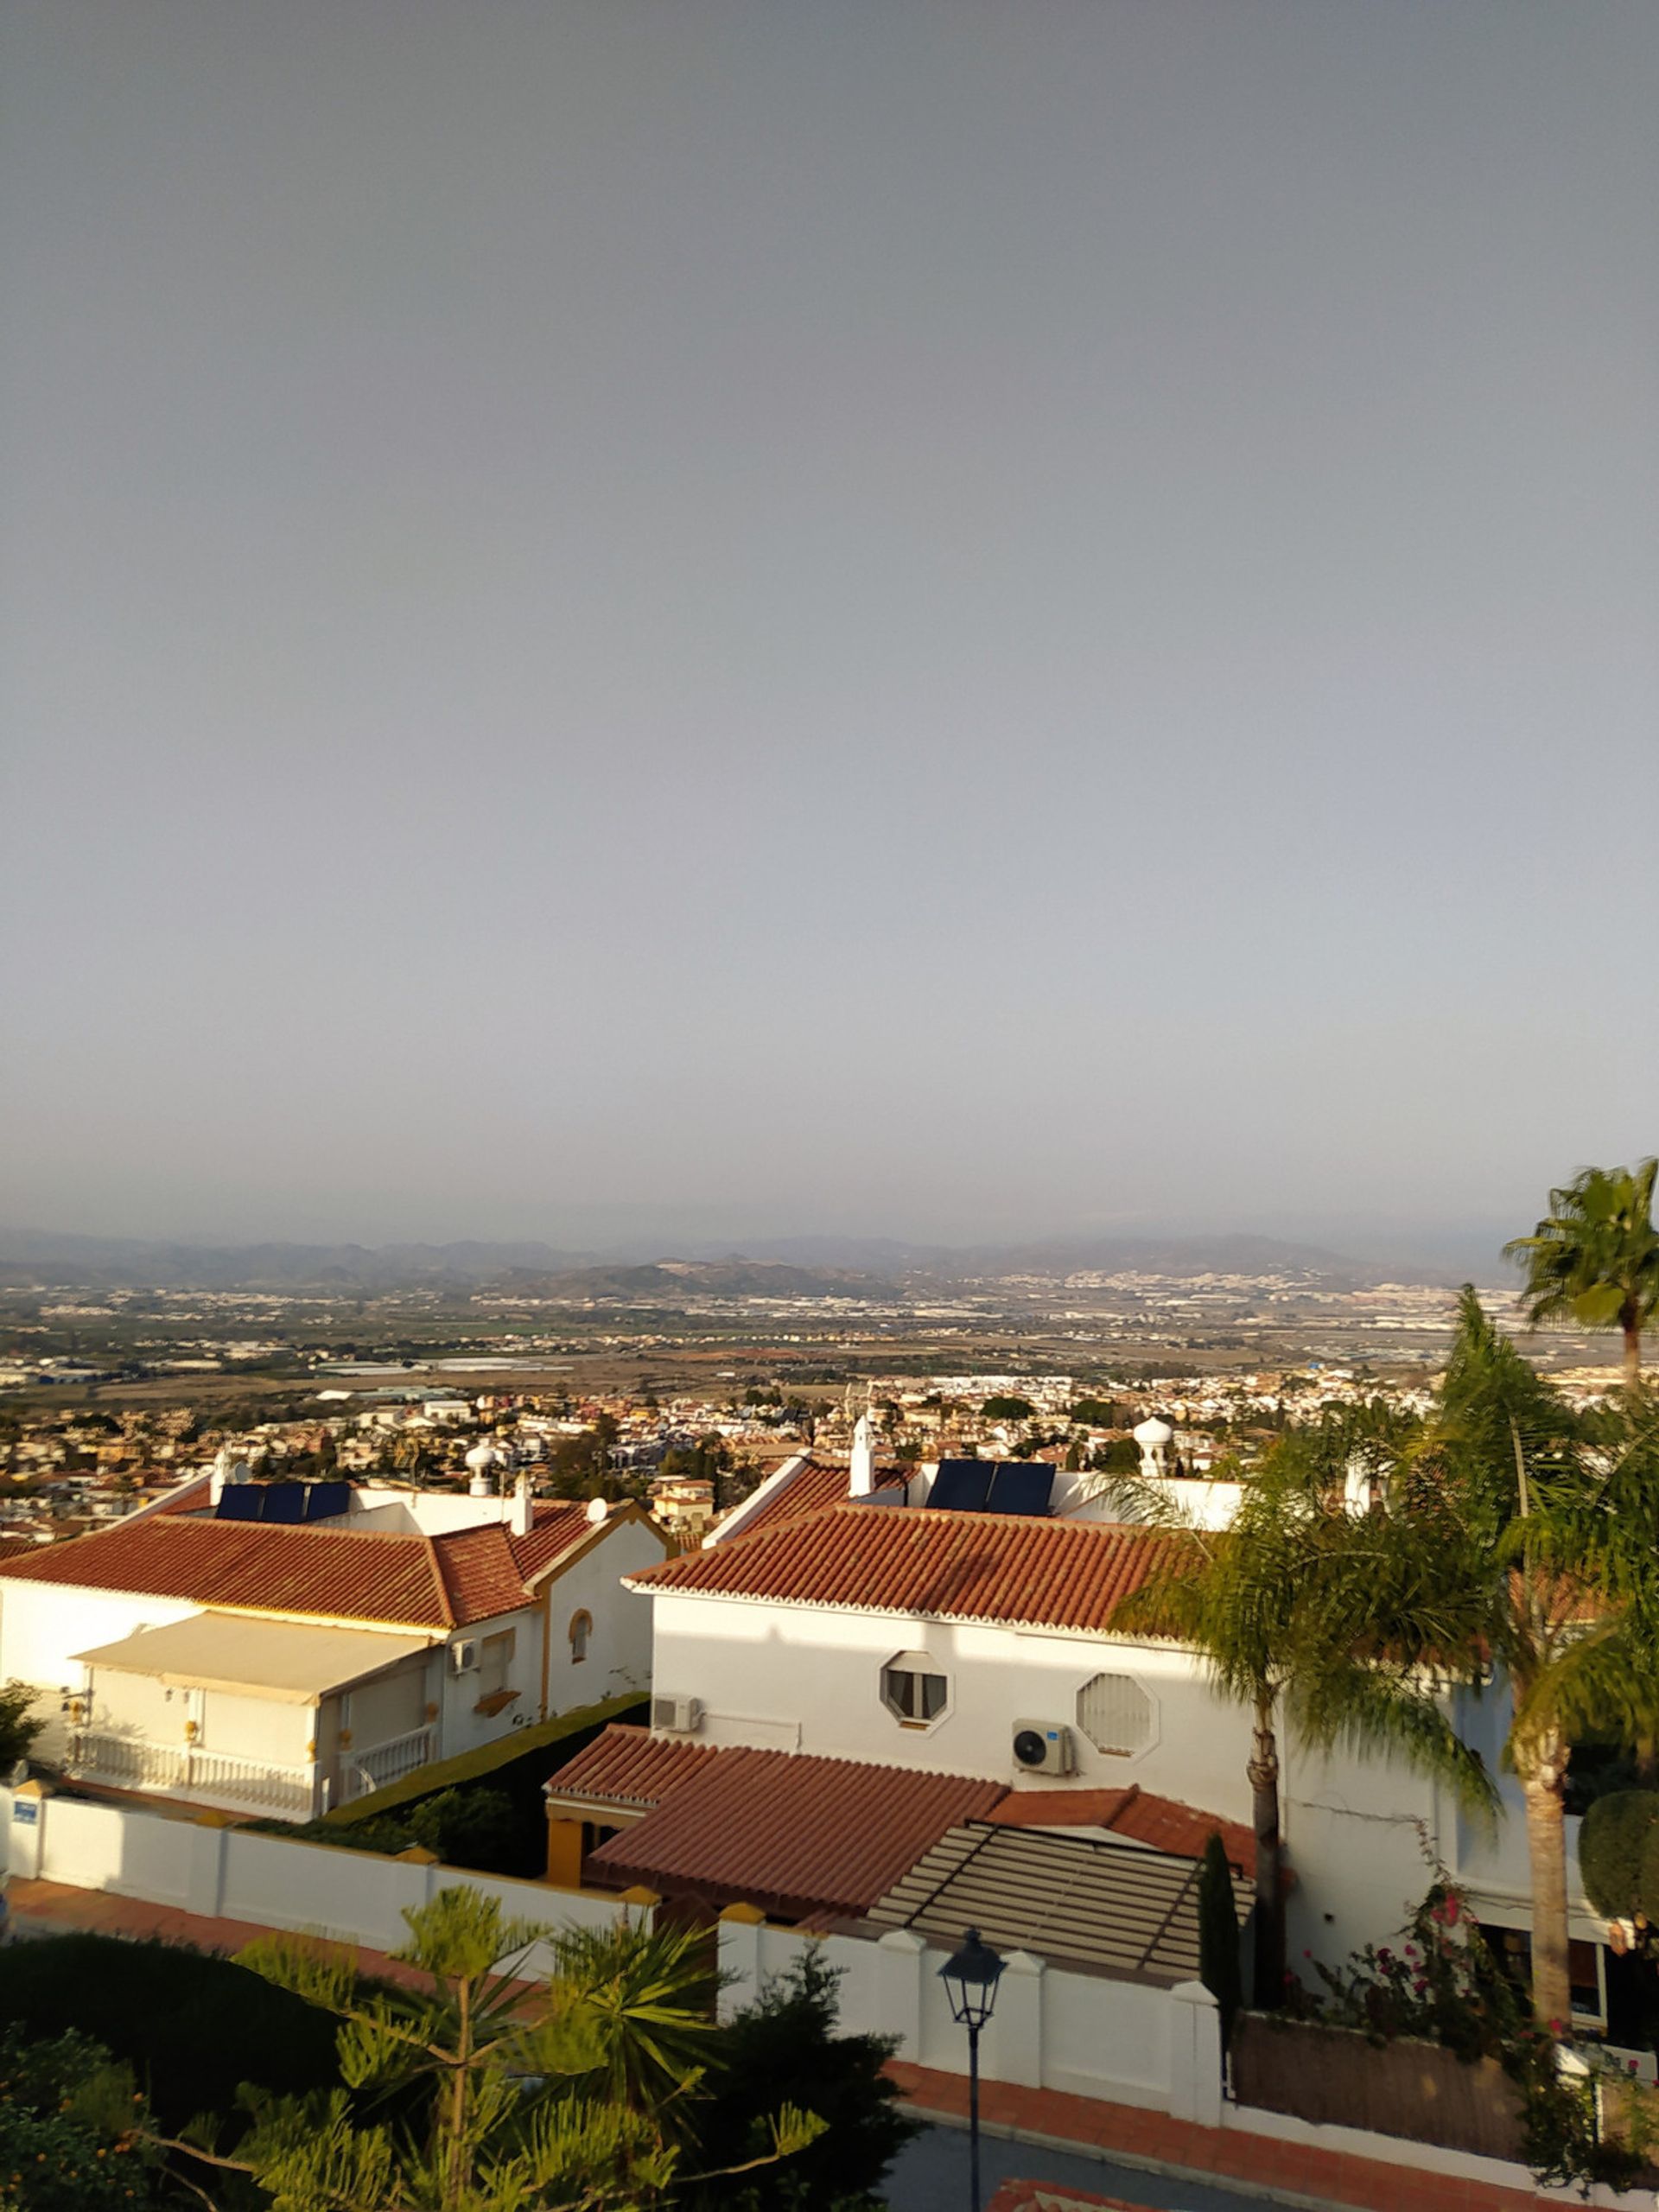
918,617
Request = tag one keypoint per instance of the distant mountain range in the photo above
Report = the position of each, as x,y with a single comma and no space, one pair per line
797,1267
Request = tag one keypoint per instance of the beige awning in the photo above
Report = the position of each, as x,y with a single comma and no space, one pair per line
283,1660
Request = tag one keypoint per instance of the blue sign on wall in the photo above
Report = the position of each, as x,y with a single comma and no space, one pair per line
25,1812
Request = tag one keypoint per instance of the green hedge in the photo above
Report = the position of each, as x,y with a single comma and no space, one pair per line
192,2024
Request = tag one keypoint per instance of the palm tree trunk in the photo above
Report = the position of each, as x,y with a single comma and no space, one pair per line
1541,1777
1264,1771
1632,1348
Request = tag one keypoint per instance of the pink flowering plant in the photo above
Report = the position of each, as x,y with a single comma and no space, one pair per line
1440,1983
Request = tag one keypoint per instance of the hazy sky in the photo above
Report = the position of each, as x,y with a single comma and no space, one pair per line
852,615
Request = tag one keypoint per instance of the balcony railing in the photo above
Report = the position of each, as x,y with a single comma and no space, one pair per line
385,1763
129,1763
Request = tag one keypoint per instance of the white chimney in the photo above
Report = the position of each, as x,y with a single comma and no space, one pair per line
524,1508
863,1468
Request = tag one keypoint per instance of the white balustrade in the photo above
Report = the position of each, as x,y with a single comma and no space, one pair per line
386,1763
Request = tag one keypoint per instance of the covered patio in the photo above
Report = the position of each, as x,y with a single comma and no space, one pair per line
250,1715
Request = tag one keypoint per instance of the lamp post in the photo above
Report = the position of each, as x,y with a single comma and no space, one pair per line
970,1976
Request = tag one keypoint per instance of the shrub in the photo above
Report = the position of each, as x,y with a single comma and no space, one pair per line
1618,1854
783,2049
66,2117
192,2025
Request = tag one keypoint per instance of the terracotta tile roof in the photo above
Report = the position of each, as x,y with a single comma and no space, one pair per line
977,1567
323,1574
1180,1830
629,1766
791,1831
190,1497
478,1575
556,1530
812,1489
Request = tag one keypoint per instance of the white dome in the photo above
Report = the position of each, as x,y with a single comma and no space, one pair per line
1154,1431
482,1455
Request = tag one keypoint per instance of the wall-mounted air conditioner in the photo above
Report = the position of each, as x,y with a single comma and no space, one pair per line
1044,1747
677,1716
463,1657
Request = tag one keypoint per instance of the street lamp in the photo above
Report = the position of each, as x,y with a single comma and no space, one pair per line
970,1976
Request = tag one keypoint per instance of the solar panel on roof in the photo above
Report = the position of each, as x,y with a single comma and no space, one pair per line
283,1502
961,1486
324,1501
1021,1486
239,1502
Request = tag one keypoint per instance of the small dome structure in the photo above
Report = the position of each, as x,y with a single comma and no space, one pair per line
483,1456
1154,1431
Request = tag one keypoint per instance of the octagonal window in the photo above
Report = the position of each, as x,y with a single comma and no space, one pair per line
913,1688
1115,1713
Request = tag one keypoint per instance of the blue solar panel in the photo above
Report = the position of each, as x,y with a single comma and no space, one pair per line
283,1502
961,1486
1021,1486
240,1502
324,1500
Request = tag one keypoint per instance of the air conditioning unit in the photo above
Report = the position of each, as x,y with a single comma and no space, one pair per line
677,1716
1044,1747
463,1657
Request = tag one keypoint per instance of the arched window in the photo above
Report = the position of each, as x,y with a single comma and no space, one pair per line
581,1627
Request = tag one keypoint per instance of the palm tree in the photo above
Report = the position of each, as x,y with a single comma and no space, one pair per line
499,2094
1500,1502
1302,1609
1594,1261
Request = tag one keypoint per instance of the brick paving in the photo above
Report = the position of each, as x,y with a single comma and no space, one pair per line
1261,2164
1054,2196
52,1907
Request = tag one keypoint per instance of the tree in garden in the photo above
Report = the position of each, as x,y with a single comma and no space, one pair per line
1618,1857
1302,1609
1594,1261
18,1730
1007,1407
1218,1961
784,2049
1499,1499
509,2098
71,2128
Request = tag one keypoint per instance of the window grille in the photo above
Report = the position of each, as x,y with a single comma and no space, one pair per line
1115,1713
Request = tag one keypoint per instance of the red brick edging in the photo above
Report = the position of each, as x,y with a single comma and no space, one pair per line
1215,2153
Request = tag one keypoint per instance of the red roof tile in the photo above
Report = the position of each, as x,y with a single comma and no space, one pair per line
976,1567
810,1489
629,1766
325,1573
1159,1822
791,1830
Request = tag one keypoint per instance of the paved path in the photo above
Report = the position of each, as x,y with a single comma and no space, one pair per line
1230,2158
931,2176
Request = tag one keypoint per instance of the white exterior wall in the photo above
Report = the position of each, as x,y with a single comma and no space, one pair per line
619,1650
619,1647
1358,1832
42,1624
804,1678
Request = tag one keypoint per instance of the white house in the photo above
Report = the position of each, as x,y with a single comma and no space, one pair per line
284,1665
975,1643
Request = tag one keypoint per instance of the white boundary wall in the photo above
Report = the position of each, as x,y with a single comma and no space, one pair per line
353,1896
1121,2042
1052,2030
